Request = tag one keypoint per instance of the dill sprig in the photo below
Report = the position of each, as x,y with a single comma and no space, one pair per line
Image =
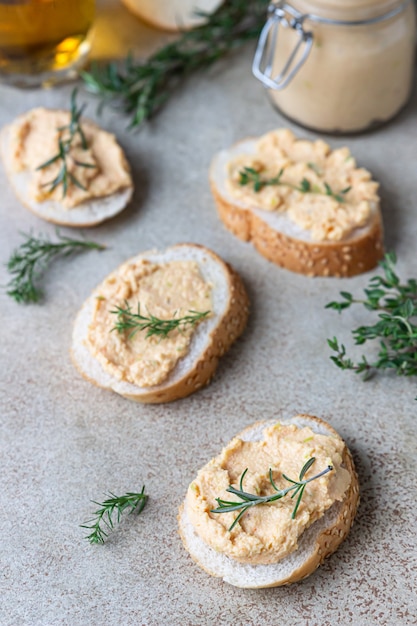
396,330
127,320
29,261
250,176
103,519
249,500
69,131
140,89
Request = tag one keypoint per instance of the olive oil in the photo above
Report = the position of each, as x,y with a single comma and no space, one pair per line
42,38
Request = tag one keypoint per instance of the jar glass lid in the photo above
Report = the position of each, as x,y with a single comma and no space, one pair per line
291,16
347,10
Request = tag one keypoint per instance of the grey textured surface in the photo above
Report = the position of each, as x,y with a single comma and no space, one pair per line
64,442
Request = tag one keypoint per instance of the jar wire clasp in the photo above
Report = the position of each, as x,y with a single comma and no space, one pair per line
281,14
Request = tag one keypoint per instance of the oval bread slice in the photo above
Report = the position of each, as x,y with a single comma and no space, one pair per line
319,541
86,214
285,243
210,341
172,16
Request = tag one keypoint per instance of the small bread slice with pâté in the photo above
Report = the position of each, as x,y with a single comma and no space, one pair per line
155,329
64,168
277,501
304,206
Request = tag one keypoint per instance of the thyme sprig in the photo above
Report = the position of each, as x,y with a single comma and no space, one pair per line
154,326
103,519
67,136
140,89
396,329
29,261
249,500
250,176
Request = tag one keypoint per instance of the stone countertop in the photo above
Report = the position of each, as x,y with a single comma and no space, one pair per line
64,442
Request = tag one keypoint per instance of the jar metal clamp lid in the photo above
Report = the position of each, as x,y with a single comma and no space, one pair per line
285,15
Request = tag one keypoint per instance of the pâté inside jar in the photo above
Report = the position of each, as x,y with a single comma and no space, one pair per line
338,66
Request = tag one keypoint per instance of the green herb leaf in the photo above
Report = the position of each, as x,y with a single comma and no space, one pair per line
248,500
127,320
395,328
134,502
306,468
305,186
328,189
140,89
29,261
249,176
315,168
73,128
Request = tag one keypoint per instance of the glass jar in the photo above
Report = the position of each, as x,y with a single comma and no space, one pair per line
338,66
43,41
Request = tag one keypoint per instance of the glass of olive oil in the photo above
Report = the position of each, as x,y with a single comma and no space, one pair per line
43,41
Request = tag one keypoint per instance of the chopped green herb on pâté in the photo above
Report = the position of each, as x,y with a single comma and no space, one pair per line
249,500
395,329
250,176
103,520
154,326
29,261
140,89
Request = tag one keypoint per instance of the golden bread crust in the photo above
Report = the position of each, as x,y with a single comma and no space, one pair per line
340,259
348,257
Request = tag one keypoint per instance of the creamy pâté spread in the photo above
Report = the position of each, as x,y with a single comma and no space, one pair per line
163,290
326,217
35,139
266,533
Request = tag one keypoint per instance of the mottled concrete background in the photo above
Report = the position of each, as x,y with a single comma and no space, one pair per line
64,442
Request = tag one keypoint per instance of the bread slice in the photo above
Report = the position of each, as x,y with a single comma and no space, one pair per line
285,243
172,16
86,214
316,543
210,341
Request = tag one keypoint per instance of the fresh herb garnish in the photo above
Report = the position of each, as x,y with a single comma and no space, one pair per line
337,196
248,500
127,320
104,515
140,89
316,169
396,304
67,135
250,176
28,263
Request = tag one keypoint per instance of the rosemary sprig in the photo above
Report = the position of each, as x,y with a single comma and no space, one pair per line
29,261
396,330
141,89
127,320
248,500
71,130
250,176
104,515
